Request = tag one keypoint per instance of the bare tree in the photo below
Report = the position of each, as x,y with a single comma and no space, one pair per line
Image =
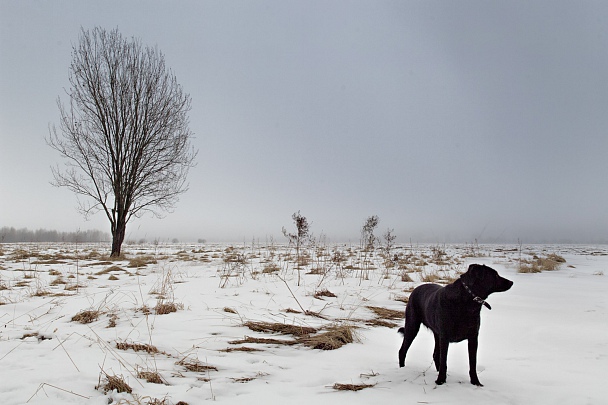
368,239
300,237
125,131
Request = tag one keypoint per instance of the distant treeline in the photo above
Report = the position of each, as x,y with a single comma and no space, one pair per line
12,235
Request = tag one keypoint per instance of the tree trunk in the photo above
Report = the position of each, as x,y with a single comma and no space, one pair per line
118,236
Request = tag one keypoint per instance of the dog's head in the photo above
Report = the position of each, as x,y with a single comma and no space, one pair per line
484,280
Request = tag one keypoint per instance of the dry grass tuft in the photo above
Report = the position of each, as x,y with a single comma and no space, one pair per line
271,268
240,349
195,365
380,322
324,293
430,277
351,387
86,316
249,339
402,298
163,308
243,379
151,377
114,382
282,328
386,313
108,270
405,277
137,347
59,280
334,338
537,264
141,261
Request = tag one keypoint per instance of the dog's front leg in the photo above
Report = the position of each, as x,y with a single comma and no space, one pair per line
444,343
473,343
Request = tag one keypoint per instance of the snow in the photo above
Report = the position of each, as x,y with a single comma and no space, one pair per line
544,341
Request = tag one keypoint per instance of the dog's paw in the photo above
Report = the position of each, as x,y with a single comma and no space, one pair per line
476,382
440,381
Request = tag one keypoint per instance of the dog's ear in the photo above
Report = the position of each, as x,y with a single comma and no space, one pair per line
477,272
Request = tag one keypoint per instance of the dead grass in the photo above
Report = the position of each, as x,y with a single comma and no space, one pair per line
108,270
351,387
324,293
240,349
402,298
152,377
405,277
334,338
430,277
538,264
380,322
141,261
86,316
271,268
386,313
243,379
281,328
267,341
137,347
59,280
163,308
195,365
114,382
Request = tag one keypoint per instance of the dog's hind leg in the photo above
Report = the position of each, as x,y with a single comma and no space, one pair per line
412,326
473,361
436,352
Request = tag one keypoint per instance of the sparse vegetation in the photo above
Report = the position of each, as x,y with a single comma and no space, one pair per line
538,264
330,310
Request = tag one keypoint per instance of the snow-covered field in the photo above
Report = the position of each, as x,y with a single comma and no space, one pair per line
544,342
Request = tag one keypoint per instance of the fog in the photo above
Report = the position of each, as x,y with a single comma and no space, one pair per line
451,121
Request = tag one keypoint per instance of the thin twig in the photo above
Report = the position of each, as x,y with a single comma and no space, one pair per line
58,388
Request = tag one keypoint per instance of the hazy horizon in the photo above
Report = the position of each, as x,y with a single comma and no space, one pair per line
451,121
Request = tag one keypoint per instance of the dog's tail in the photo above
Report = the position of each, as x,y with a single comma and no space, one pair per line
402,331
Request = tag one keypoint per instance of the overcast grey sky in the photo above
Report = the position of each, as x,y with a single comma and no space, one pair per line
450,120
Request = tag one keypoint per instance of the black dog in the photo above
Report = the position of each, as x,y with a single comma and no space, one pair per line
452,313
